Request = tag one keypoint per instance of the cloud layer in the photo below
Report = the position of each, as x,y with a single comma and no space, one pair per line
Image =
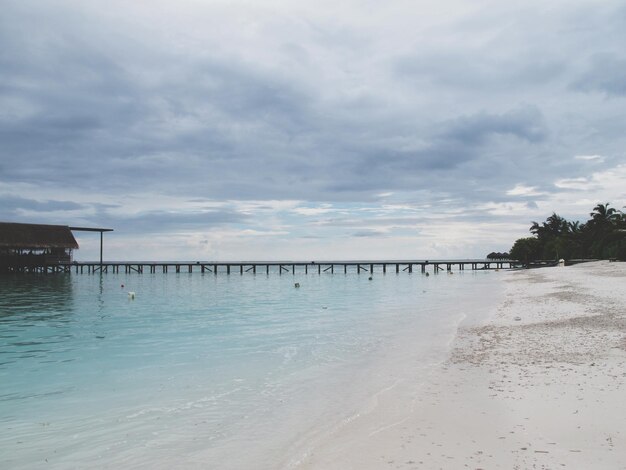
352,130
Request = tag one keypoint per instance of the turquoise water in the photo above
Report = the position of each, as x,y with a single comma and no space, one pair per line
198,368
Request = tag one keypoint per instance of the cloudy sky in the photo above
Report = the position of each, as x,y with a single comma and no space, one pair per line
230,130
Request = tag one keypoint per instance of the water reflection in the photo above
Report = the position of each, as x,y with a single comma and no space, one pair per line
35,297
34,311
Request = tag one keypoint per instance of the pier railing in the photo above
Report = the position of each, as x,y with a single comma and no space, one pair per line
274,267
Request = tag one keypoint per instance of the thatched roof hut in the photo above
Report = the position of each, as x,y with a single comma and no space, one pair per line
14,236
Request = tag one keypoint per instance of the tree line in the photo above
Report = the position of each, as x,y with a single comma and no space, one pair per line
603,236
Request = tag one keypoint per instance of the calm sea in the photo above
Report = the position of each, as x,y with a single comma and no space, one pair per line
205,371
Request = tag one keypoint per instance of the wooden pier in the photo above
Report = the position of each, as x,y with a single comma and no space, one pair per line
286,267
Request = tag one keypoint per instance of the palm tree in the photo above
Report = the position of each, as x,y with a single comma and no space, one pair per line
603,214
575,227
603,224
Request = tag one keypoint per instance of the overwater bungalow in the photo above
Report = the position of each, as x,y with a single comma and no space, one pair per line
24,246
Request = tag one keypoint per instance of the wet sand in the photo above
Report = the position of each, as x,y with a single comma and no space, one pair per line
541,384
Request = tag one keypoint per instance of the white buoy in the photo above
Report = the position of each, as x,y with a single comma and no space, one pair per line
131,295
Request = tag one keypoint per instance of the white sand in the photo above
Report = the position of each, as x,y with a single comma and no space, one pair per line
541,385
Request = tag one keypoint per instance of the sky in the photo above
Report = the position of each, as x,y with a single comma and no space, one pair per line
291,130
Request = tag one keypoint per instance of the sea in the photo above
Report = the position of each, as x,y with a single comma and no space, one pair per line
204,371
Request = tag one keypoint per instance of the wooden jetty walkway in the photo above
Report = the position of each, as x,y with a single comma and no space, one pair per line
276,267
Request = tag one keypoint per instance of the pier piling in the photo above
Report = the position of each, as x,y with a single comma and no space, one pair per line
251,267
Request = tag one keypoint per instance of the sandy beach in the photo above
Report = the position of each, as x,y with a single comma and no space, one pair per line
540,384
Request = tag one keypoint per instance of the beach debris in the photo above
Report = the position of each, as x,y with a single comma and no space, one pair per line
296,285
131,295
518,319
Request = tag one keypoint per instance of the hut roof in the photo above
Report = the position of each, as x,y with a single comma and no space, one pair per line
25,236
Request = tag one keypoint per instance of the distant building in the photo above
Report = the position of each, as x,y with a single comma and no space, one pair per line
23,246
498,256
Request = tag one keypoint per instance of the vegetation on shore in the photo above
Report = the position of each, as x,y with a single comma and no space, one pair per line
603,236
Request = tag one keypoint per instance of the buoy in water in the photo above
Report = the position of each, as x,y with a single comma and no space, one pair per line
370,278
427,274
296,285
131,295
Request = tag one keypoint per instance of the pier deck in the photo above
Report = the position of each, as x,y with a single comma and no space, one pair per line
276,267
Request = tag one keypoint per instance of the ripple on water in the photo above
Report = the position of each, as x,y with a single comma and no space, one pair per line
200,363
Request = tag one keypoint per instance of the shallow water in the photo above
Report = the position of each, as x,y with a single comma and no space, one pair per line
198,367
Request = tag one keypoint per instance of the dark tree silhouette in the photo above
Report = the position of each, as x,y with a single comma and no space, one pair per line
602,236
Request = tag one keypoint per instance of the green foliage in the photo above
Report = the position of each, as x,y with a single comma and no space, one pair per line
603,236
525,249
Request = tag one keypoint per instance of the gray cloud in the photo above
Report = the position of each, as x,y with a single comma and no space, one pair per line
479,70
11,205
526,124
311,109
165,221
367,234
605,73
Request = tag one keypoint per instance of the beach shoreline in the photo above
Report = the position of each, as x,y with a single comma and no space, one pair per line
539,384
